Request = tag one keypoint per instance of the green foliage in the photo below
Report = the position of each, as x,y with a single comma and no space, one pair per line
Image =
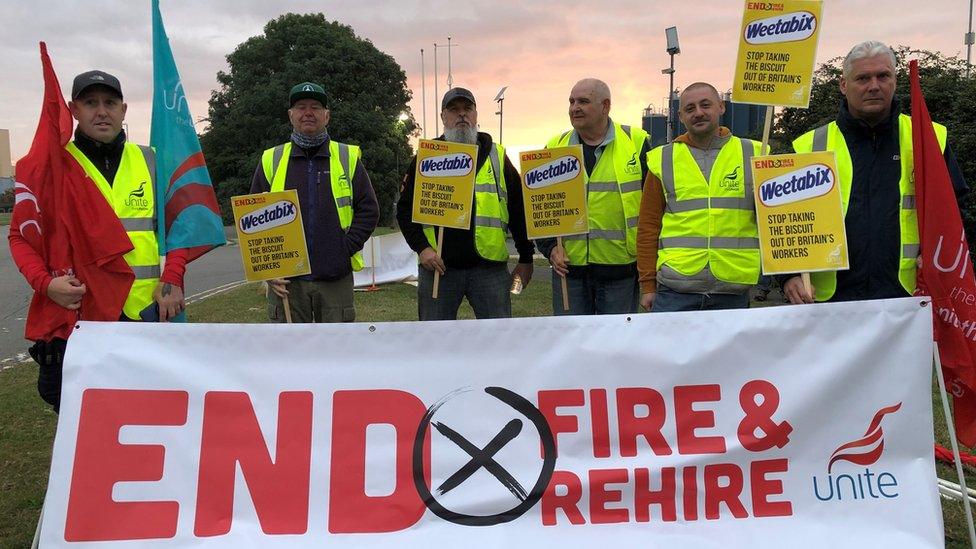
367,93
7,198
949,95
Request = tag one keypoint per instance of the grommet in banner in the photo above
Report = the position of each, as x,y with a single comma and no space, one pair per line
372,328
923,303
628,319
77,326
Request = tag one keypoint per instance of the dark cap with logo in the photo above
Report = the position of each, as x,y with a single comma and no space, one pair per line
307,90
457,93
88,79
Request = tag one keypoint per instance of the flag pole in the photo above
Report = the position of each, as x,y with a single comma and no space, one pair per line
955,443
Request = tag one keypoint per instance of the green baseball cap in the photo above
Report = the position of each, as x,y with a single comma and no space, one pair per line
307,90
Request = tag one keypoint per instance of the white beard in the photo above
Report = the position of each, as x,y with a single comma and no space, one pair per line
469,136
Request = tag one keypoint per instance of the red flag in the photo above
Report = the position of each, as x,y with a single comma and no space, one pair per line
61,224
947,270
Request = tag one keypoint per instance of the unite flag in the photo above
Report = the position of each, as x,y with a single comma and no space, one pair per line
190,218
946,273
62,225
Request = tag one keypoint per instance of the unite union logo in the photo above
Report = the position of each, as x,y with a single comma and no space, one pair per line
864,451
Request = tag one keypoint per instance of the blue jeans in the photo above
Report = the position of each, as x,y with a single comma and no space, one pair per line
669,301
486,287
593,296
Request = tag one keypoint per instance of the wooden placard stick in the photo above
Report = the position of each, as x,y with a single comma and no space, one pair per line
437,274
559,242
287,307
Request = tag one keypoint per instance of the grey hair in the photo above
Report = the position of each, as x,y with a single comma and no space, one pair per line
870,48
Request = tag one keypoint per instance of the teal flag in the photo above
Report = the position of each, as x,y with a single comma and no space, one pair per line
190,218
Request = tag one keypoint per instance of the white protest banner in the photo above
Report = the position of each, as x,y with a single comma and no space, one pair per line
780,427
387,258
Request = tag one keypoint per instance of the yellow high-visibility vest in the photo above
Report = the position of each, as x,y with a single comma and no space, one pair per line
490,208
708,222
613,197
342,166
830,138
133,199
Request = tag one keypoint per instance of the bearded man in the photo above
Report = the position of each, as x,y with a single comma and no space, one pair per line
474,261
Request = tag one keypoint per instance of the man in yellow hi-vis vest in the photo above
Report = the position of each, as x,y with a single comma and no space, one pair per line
338,205
124,174
697,241
473,262
600,267
873,144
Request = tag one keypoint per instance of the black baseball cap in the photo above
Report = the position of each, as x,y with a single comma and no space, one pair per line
457,93
307,90
88,79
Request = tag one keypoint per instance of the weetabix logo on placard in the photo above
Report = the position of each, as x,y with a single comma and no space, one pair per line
865,451
802,184
789,27
447,165
551,173
271,216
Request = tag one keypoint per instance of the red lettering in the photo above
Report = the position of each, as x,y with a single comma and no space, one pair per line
762,488
716,494
600,423
644,496
569,503
689,490
549,401
100,462
600,496
278,488
631,426
351,510
687,419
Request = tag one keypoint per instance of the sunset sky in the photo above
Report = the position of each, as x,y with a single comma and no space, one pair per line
538,49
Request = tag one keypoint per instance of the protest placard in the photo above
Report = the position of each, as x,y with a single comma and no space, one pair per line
777,49
554,192
798,211
270,235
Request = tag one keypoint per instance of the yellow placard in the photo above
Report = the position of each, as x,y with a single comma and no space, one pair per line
270,235
798,209
777,49
554,192
444,184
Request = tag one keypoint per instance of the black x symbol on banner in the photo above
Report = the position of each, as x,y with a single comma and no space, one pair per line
483,458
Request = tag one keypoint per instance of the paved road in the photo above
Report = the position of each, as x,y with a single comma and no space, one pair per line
218,271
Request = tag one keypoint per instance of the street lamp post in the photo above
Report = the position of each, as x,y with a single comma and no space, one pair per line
423,88
970,39
500,98
671,33
437,96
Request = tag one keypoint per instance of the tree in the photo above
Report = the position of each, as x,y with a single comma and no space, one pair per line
367,94
7,200
950,96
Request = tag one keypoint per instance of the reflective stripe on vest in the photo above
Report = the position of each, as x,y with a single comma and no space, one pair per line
343,160
132,197
829,138
490,208
708,222
613,195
